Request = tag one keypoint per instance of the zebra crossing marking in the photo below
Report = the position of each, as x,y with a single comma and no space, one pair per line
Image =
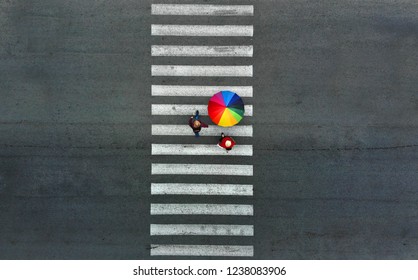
202,70
201,169
201,209
201,189
165,149
202,10
212,130
184,109
202,250
202,51
201,229
202,30
199,150
197,91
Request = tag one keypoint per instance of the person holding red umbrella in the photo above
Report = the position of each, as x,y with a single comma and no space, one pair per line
226,142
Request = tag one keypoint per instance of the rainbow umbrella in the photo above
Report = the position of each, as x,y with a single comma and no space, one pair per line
226,108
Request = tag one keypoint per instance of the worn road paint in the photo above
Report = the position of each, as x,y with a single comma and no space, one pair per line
201,229
201,169
196,91
202,10
212,130
202,250
202,70
202,51
201,189
202,30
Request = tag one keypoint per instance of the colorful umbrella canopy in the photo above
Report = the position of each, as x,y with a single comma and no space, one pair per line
226,108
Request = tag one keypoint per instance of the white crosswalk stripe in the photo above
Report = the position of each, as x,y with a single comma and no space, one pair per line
200,150
212,130
202,30
202,51
201,229
184,109
192,80
201,189
202,10
201,169
202,250
201,209
202,70
198,91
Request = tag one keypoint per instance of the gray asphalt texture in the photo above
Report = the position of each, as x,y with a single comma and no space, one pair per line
335,129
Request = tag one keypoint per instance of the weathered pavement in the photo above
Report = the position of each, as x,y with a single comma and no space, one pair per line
335,123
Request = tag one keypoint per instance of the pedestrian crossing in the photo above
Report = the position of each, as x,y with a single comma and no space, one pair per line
198,91
199,150
201,189
181,130
202,51
202,250
198,229
193,177
202,70
202,30
201,169
201,209
202,10
184,109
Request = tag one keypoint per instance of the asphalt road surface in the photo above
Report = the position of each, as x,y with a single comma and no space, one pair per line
326,162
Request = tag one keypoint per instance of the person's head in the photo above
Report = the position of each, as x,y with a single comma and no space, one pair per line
222,135
228,144
196,124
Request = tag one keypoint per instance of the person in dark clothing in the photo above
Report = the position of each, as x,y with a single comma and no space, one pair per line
196,124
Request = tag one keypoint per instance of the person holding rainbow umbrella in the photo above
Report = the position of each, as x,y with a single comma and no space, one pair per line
226,109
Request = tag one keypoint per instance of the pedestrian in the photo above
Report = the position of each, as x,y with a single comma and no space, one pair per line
196,124
226,142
